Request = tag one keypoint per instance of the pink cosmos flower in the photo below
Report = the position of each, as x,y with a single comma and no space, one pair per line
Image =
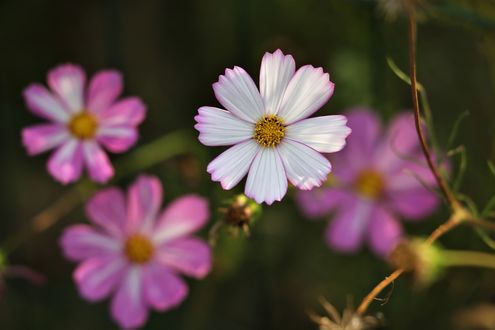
377,179
271,137
135,252
81,121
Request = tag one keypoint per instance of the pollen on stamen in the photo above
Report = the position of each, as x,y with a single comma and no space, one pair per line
138,249
369,184
83,125
269,131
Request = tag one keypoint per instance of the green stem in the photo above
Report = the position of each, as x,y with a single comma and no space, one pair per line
451,258
146,156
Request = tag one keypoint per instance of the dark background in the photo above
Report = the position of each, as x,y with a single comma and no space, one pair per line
170,53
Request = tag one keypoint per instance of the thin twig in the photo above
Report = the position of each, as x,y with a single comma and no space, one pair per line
417,116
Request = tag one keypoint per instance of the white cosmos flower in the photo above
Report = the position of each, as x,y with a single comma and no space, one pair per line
271,137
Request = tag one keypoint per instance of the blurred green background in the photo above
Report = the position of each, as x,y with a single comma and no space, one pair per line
170,53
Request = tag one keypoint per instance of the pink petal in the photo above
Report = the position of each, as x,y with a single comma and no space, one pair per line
384,231
44,104
324,134
107,209
305,167
183,216
346,231
117,139
144,199
190,256
309,89
65,164
43,137
360,145
414,203
128,112
97,277
162,288
218,127
237,93
401,141
99,166
276,71
80,242
232,165
267,180
129,309
68,82
320,201
104,88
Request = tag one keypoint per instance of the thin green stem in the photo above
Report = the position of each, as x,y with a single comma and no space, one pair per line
452,258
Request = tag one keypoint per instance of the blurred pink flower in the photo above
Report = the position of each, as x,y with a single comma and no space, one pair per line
81,121
271,137
136,253
377,178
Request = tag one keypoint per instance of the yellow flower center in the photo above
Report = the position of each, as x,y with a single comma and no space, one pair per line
269,131
138,249
369,184
83,125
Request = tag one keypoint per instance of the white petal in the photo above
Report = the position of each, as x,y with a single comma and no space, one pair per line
218,127
305,167
324,134
308,91
276,71
237,92
266,180
232,165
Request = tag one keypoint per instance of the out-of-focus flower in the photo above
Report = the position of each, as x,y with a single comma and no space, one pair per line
349,320
378,177
273,141
135,253
82,120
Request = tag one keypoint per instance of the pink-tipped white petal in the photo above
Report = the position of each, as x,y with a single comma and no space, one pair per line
129,308
218,127
44,104
305,167
66,163
106,208
117,139
276,71
183,216
80,242
308,91
232,165
162,288
43,137
237,92
68,81
190,256
99,167
143,203
97,277
324,134
104,88
266,181
128,112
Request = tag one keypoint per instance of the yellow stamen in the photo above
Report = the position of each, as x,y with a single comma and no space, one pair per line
138,249
369,184
83,125
269,131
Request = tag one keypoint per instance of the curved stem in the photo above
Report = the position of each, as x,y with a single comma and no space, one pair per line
377,289
166,146
417,116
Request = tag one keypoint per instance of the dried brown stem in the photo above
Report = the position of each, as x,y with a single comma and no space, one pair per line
442,184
